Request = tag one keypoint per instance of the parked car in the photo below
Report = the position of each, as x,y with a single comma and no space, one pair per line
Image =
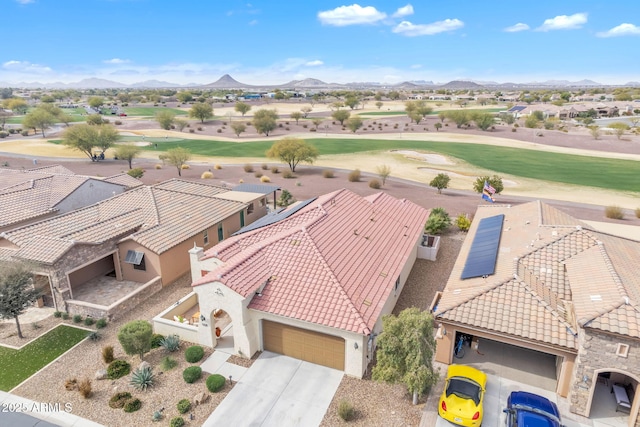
462,397
528,409
122,114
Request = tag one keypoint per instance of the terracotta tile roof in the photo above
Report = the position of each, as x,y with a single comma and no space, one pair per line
157,218
335,262
559,274
56,169
124,179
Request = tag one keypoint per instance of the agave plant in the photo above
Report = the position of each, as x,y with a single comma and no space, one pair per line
142,378
171,343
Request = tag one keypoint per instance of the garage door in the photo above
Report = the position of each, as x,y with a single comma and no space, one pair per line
310,346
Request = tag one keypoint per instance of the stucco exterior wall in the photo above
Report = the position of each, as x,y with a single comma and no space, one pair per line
151,261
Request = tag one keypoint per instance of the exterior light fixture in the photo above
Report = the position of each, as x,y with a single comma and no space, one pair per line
202,318
355,345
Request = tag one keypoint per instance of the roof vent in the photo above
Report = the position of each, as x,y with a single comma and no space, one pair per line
596,297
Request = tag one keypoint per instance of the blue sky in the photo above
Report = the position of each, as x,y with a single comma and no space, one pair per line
275,41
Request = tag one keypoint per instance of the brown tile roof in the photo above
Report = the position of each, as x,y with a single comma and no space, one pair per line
335,262
558,274
124,179
56,169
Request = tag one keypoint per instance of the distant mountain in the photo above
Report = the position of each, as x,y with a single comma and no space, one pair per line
422,82
227,82
408,85
93,83
461,84
306,83
633,84
154,84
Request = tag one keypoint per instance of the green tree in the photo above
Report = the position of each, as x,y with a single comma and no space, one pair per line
84,138
484,120
165,118
95,119
96,102
265,121
127,152
531,122
438,126
352,101
285,198
293,151
594,131
354,123
495,181
405,351
379,104
135,337
317,121
106,136
438,221
242,108
383,172
508,118
442,115
184,96
201,111
238,128
180,124
619,128
341,116
17,105
305,111
460,118
176,157
16,291
440,181
296,115
38,118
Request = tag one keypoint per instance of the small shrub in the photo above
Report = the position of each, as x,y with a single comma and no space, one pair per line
219,131
24,133
288,175
614,212
194,354
258,174
71,384
374,183
346,411
513,129
157,416
328,173
35,326
85,388
158,166
355,175
94,336
136,172
637,212
248,168
206,175
101,323
215,383
89,321
265,166
77,318
463,222
183,406
57,314
118,122
118,400
141,379
192,374
132,405
192,131
171,343
168,363
65,316
176,422
265,178
274,169
185,166
107,354
118,369
217,167
156,340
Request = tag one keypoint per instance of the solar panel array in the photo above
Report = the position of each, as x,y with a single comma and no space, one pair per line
516,108
274,217
256,188
481,260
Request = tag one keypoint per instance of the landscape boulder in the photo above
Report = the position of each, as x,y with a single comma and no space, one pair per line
101,374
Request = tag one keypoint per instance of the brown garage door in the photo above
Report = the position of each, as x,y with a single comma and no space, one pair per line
310,346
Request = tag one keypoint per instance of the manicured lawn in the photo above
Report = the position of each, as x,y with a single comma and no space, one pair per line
151,111
18,365
383,113
571,169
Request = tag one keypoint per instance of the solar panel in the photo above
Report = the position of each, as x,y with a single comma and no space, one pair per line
133,257
516,108
256,188
481,260
274,217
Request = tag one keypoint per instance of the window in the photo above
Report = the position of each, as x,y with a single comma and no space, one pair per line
397,285
220,233
250,209
136,258
205,237
622,350
141,265
242,218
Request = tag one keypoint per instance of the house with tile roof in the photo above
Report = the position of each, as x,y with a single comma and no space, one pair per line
313,284
103,258
27,196
556,287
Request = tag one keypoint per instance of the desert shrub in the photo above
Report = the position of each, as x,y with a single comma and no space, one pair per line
107,354
192,374
132,405
265,178
71,384
265,166
156,340
200,128
57,314
328,173
217,167
354,176
206,175
258,174
274,169
77,318
345,410
374,183
168,363
219,131
3,134
89,321
118,400
194,354
118,122
176,422
312,130
65,316
185,166
614,212
183,406
158,166
215,383
136,172
157,416
142,378
85,388
637,212
118,369
288,175
101,323
94,336
171,343
248,168
463,222
192,131
437,222
24,133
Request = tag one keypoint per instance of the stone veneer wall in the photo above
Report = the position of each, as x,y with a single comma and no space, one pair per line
597,352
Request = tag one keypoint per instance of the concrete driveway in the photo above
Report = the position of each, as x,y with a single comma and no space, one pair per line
278,391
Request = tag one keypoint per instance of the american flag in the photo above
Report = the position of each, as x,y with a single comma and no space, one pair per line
489,188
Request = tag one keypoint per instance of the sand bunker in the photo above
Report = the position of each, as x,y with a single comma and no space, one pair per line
435,159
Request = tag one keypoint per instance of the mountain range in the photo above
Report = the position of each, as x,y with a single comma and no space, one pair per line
228,82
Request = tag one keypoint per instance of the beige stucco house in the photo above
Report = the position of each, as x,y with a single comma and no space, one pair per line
532,277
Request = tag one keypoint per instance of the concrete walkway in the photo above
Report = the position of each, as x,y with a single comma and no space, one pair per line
278,391
16,411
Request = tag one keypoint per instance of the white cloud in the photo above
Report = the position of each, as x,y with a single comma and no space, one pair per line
351,15
26,67
25,1
403,11
515,28
315,63
416,66
408,29
564,22
116,61
253,22
621,30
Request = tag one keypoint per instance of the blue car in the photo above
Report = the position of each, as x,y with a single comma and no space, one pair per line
530,410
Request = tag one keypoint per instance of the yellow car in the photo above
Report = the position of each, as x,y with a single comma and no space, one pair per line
461,400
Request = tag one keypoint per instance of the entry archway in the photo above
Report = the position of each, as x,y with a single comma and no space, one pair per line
602,397
222,331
